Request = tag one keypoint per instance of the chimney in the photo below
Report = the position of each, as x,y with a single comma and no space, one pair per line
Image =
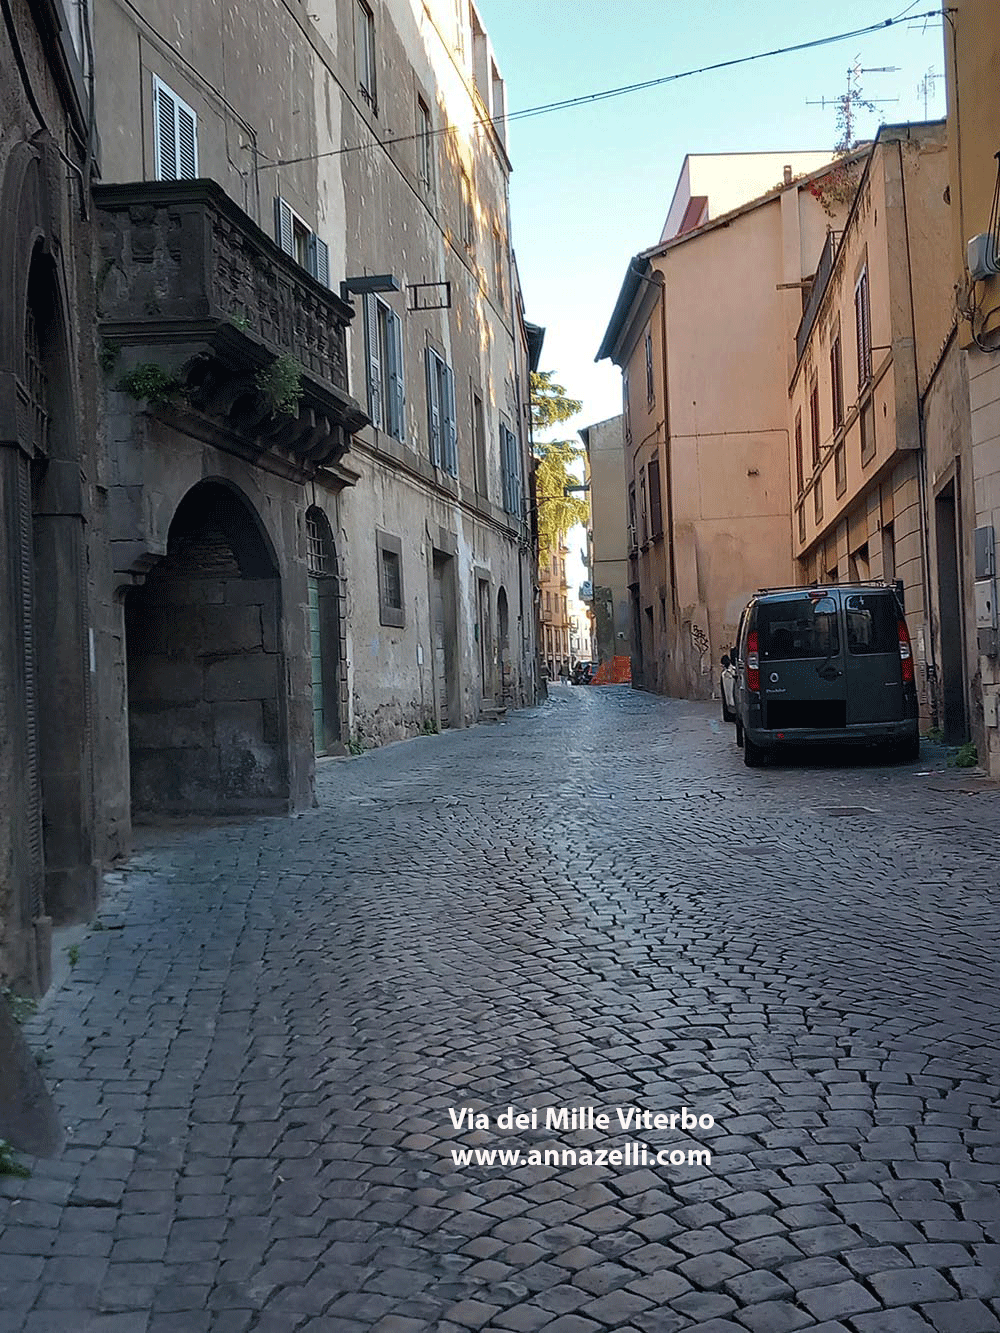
788,175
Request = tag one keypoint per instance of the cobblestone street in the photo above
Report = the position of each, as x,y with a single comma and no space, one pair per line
592,904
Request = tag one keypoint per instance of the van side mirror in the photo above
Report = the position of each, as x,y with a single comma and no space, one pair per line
725,659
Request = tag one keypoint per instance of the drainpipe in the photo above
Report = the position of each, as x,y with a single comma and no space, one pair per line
930,666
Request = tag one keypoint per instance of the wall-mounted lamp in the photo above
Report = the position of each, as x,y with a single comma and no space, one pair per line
371,282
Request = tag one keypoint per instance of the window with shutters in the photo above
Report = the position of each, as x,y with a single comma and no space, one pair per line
467,219
425,147
867,432
442,432
510,473
384,355
799,468
655,500
814,434
364,52
175,136
863,326
479,445
499,255
650,391
297,240
840,469
837,383
626,412
643,510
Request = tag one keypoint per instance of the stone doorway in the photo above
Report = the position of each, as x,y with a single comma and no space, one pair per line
206,703
324,633
503,649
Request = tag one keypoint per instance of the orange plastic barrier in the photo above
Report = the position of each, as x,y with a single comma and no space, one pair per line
616,672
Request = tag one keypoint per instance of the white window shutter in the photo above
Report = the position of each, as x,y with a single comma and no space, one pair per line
374,360
164,132
187,143
433,406
283,226
319,255
450,428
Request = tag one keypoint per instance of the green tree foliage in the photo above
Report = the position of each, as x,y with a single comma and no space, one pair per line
557,511
550,403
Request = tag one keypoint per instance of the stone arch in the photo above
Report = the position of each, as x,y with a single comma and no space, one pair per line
207,702
325,633
46,845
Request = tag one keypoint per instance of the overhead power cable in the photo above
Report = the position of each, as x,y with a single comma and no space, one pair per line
587,99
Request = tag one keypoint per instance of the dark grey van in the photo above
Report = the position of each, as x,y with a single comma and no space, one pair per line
828,665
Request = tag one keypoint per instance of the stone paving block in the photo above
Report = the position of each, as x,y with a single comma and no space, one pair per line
910,1286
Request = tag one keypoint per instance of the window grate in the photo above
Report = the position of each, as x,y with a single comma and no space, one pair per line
316,561
37,385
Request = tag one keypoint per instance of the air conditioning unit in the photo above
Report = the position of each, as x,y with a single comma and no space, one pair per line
632,543
982,257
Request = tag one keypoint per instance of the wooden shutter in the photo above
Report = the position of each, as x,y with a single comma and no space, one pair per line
449,428
319,260
374,361
515,472
187,143
862,320
433,406
397,403
164,132
655,503
175,136
283,233
799,471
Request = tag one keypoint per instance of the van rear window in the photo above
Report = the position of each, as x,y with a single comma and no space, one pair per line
805,627
872,623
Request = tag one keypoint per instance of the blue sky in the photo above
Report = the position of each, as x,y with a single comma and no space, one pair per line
591,185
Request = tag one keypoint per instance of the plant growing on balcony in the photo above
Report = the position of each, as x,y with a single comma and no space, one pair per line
281,384
150,383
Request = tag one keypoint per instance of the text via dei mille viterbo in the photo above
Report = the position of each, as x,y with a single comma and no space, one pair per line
626,1118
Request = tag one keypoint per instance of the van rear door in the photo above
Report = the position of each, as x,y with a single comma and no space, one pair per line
801,662
874,676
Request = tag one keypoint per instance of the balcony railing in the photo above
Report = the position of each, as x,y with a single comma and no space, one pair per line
183,267
819,284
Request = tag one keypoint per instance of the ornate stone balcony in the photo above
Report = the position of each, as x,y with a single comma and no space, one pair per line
189,283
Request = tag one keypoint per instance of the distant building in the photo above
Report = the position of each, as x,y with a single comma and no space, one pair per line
704,332
605,446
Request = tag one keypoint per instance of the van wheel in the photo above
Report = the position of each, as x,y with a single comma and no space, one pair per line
739,733
753,755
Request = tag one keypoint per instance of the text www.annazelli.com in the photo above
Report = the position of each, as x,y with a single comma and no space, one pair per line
633,1154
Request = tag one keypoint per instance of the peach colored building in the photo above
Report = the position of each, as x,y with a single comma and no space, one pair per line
609,549
704,332
969,398
870,339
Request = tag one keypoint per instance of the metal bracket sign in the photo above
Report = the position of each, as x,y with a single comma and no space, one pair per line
429,296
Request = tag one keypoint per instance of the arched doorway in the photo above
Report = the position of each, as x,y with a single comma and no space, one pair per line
324,632
206,695
504,681
48,729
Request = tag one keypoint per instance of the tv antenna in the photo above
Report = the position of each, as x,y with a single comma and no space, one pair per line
852,101
925,88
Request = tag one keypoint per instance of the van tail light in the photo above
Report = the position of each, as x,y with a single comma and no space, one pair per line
753,662
905,653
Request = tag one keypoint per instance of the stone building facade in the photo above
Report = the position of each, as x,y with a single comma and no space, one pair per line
264,378
50,531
